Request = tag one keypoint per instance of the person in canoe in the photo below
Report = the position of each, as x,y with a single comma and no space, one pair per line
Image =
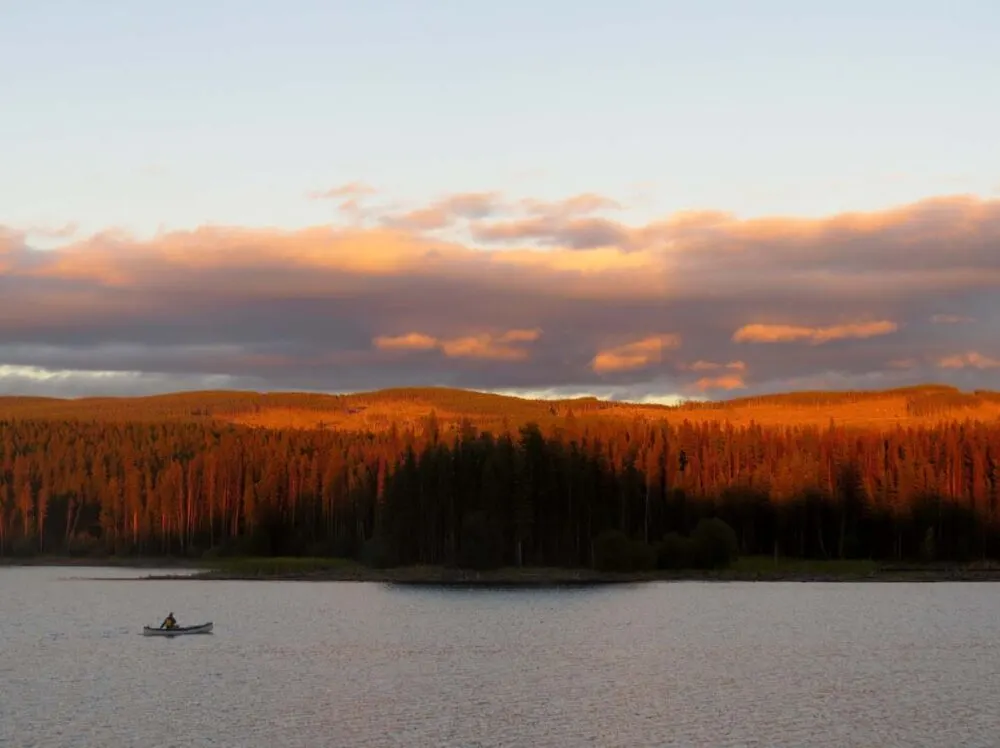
169,622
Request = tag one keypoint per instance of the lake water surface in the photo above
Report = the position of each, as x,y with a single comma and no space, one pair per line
364,665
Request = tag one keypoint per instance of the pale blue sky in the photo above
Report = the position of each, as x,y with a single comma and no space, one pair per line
139,114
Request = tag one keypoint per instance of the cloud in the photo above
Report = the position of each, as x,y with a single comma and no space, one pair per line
970,360
47,231
549,222
635,355
726,382
712,366
721,376
951,319
350,199
340,192
577,233
412,341
478,346
40,382
445,212
758,333
582,204
512,293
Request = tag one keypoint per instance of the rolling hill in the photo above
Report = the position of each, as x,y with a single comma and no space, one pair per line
409,407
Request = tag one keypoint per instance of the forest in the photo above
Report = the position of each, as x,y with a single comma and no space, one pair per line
564,485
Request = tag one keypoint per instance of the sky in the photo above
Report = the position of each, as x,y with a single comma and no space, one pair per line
641,200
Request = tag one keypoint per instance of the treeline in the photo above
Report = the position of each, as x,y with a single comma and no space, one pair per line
183,406
609,494
920,400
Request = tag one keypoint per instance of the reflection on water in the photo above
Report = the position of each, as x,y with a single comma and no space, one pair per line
349,664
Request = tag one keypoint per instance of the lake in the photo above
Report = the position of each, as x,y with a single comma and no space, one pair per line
360,665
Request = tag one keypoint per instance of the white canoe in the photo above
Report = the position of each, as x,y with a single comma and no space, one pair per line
204,628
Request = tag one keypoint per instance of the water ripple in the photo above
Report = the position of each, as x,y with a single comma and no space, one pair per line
369,666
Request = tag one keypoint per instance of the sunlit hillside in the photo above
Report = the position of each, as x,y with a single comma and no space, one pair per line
410,407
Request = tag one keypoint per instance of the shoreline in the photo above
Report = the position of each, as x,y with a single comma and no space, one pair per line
754,569
545,577
137,562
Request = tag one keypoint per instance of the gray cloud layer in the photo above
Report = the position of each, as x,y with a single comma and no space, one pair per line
541,296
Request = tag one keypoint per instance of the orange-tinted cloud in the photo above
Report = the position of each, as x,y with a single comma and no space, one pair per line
384,302
485,346
758,333
726,382
413,341
481,346
584,203
635,355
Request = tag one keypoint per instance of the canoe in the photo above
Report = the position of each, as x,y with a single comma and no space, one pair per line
204,628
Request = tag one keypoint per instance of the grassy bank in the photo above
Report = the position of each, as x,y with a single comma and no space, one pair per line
752,568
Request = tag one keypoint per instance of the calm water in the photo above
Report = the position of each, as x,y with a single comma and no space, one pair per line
359,665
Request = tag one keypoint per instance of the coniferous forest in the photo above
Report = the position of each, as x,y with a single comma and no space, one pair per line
614,493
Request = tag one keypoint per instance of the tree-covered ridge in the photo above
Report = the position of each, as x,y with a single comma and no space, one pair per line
553,495
408,408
